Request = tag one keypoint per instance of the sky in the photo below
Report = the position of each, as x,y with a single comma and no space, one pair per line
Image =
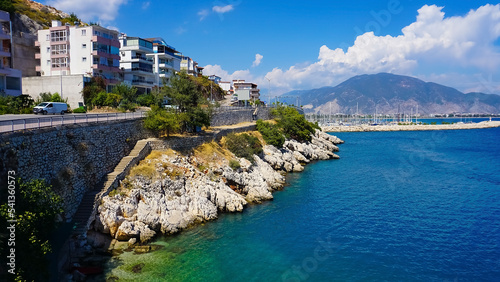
292,45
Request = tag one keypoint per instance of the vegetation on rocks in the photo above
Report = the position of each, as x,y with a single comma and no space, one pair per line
243,145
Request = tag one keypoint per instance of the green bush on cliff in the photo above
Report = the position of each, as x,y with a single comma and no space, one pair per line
243,145
293,124
35,210
271,133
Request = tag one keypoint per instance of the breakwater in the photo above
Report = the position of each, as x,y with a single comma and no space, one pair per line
409,127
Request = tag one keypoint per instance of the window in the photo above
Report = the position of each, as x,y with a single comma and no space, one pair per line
58,35
84,46
48,63
84,59
59,49
47,37
48,49
59,62
84,32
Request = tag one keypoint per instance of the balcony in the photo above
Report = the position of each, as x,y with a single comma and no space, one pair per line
142,82
105,55
142,70
105,68
37,43
105,41
38,68
38,56
4,36
143,58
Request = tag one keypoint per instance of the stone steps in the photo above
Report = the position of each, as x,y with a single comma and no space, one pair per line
88,205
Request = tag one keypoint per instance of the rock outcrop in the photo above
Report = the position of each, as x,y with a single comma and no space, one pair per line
177,192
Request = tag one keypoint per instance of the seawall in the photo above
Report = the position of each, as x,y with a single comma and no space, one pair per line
367,128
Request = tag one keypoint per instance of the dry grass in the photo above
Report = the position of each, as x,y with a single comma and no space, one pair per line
212,153
144,169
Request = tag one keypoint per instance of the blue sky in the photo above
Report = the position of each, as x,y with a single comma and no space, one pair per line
309,44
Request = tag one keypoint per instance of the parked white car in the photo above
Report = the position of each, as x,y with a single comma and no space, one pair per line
51,108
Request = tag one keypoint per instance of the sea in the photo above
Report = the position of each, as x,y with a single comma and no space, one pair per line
397,206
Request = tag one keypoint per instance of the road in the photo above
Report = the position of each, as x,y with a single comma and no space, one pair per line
9,123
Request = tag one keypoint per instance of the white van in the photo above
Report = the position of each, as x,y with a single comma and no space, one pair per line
51,108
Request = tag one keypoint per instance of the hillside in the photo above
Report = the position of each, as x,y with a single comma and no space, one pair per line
389,93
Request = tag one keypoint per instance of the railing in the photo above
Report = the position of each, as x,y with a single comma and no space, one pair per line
58,120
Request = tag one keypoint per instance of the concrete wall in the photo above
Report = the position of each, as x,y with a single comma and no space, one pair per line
72,158
72,86
238,116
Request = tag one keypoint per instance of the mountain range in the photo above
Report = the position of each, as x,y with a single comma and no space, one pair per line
390,94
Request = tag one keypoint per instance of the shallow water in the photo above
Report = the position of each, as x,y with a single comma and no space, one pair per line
412,206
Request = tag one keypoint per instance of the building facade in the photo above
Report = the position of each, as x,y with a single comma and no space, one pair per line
10,78
166,61
245,91
137,67
191,67
79,50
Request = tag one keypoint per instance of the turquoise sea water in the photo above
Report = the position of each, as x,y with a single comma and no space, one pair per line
397,206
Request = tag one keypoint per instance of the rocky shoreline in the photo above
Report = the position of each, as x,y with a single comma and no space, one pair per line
170,191
418,127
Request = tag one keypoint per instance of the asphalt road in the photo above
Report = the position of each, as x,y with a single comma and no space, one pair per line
10,123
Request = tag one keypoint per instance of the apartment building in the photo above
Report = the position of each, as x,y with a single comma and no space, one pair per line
137,67
69,56
166,61
79,50
10,78
191,67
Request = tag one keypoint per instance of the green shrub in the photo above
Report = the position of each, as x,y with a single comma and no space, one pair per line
271,133
79,110
243,145
234,164
293,124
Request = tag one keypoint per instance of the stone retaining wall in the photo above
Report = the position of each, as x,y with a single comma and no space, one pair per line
73,158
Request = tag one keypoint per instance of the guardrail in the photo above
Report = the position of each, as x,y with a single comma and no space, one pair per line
57,120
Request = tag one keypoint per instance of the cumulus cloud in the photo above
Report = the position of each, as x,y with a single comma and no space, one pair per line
258,59
145,5
225,75
464,44
90,10
222,9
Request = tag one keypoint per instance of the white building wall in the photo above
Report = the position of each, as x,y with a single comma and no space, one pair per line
45,63
80,48
71,86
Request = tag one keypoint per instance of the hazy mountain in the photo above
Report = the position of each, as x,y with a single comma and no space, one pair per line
389,93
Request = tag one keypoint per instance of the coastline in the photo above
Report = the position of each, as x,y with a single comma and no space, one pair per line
418,127
170,191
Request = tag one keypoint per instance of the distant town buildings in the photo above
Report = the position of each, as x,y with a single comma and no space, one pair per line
191,67
10,78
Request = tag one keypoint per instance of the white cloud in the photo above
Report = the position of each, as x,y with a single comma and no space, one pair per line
463,44
222,9
203,14
90,10
225,75
258,59
145,5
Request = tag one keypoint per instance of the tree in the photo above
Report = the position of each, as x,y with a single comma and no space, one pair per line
127,93
163,120
92,89
35,211
186,98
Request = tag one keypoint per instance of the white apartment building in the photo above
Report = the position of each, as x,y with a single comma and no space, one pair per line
10,78
166,61
79,50
137,67
74,54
